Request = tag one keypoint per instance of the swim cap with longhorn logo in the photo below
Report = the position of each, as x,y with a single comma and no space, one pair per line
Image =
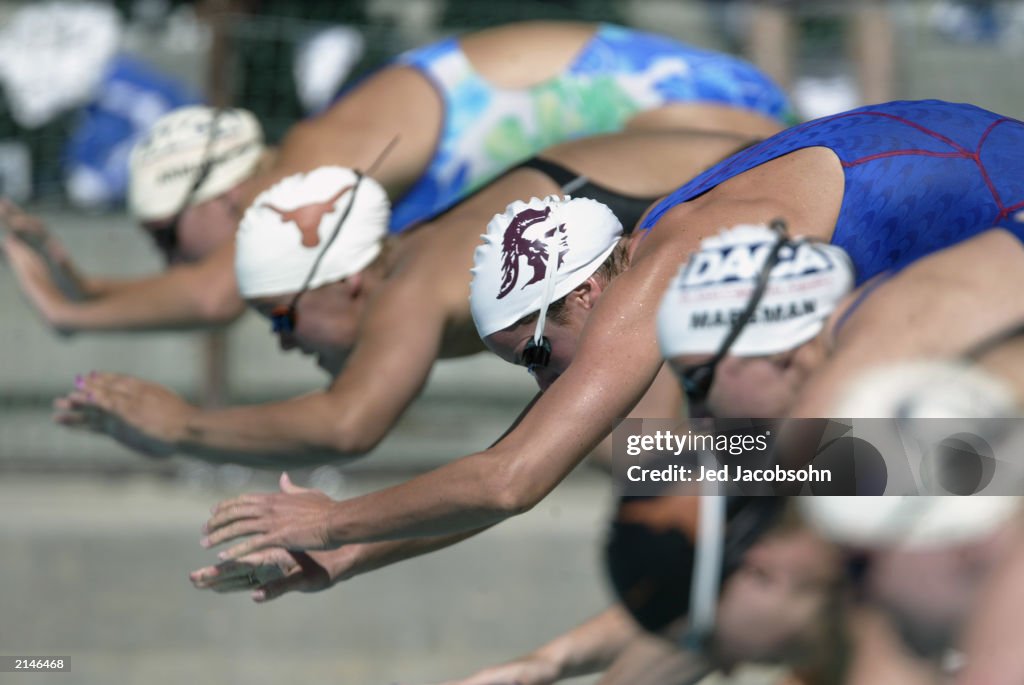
288,226
535,253
714,288
166,163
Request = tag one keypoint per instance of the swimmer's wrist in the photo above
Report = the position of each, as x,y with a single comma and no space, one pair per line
344,563
336,529
555,656
186,430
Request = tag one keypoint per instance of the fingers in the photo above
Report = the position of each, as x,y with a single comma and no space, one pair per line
16,219
294,582
229,511
245,526
274,571
249,545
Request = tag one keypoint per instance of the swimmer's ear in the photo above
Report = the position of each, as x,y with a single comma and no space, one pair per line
586,294
353,285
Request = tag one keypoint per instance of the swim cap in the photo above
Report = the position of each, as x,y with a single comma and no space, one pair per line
510,272
715,286
913,521
165,164
927,389
287,227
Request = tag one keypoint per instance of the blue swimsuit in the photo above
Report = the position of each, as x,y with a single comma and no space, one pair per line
920,177
619,73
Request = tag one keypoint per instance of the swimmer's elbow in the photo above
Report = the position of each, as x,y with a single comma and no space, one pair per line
216,306
512,489
353,438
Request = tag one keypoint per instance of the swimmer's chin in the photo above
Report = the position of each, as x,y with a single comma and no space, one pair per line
331,366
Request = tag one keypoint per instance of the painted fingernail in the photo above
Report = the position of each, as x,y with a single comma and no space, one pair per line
205,542
259,595
79,381
222,555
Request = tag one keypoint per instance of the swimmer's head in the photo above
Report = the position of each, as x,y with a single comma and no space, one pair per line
549,258
738,322
308,251
778,584
185,174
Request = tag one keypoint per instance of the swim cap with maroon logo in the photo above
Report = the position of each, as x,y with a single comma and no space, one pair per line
714,287
535,253
287,226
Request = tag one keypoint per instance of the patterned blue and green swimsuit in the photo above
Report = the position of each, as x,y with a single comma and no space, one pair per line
618,73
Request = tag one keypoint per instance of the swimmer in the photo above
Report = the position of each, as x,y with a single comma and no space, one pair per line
833,179
390,313
458,112
811,333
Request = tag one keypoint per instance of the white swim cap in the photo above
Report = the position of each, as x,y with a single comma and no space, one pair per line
512,272
714,287
915,521
165,164
927,389
274,254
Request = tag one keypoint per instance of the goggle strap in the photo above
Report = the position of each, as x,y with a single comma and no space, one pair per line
549,288
707,575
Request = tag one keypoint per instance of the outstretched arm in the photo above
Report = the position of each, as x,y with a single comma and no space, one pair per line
278,571
400,339
617,359
562,427
186,296
588,648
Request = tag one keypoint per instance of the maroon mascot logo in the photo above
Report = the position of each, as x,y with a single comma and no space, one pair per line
307,218
514,246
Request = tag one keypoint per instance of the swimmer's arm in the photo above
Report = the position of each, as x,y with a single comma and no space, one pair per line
616,361
653,660
564,425
399,341
589,648
184,297
592,646
328,568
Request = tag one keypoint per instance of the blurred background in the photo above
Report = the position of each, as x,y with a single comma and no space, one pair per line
96,541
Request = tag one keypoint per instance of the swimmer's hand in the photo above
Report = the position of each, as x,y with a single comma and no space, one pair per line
36,282
532,669
296,519
270,573
143,416
16,222
31,232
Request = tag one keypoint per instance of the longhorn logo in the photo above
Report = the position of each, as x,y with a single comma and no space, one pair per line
515,245
307,217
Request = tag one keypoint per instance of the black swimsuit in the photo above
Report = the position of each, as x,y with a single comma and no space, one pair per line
628,208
